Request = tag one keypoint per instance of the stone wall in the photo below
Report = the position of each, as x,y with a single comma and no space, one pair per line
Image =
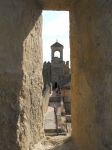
46,95
20,74
91,56
56,4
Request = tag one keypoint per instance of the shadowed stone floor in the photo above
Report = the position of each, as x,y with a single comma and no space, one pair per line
56,143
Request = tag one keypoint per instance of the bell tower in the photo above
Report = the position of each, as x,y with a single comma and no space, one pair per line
54,48
57,63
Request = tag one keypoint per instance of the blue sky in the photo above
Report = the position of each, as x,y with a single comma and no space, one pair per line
55,27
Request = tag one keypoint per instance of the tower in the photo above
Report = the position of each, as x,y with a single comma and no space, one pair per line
57,64
54,48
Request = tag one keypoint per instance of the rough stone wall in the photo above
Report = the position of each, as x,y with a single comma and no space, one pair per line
20,74
46,74
91,56
21,79
46,95
56,4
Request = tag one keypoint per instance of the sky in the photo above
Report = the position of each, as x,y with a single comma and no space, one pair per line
55,28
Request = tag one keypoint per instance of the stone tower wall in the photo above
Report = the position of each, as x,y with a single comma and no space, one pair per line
20,74
60,50
91,56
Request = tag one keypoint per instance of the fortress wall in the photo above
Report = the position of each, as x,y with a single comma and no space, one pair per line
20,74
91,61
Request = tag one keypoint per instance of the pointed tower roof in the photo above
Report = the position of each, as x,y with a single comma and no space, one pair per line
57,44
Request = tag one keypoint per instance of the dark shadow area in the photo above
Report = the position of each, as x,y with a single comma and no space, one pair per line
17,20
67,144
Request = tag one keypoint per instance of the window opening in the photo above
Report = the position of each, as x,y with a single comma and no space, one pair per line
56,72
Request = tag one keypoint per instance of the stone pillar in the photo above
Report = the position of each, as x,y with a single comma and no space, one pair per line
91,61
20,74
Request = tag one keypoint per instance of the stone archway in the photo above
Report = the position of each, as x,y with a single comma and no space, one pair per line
21,65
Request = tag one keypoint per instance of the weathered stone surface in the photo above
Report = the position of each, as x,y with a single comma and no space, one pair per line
10,84
20,74
56,143
56,4
49,119
45,99
56,72
91,55
21,79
